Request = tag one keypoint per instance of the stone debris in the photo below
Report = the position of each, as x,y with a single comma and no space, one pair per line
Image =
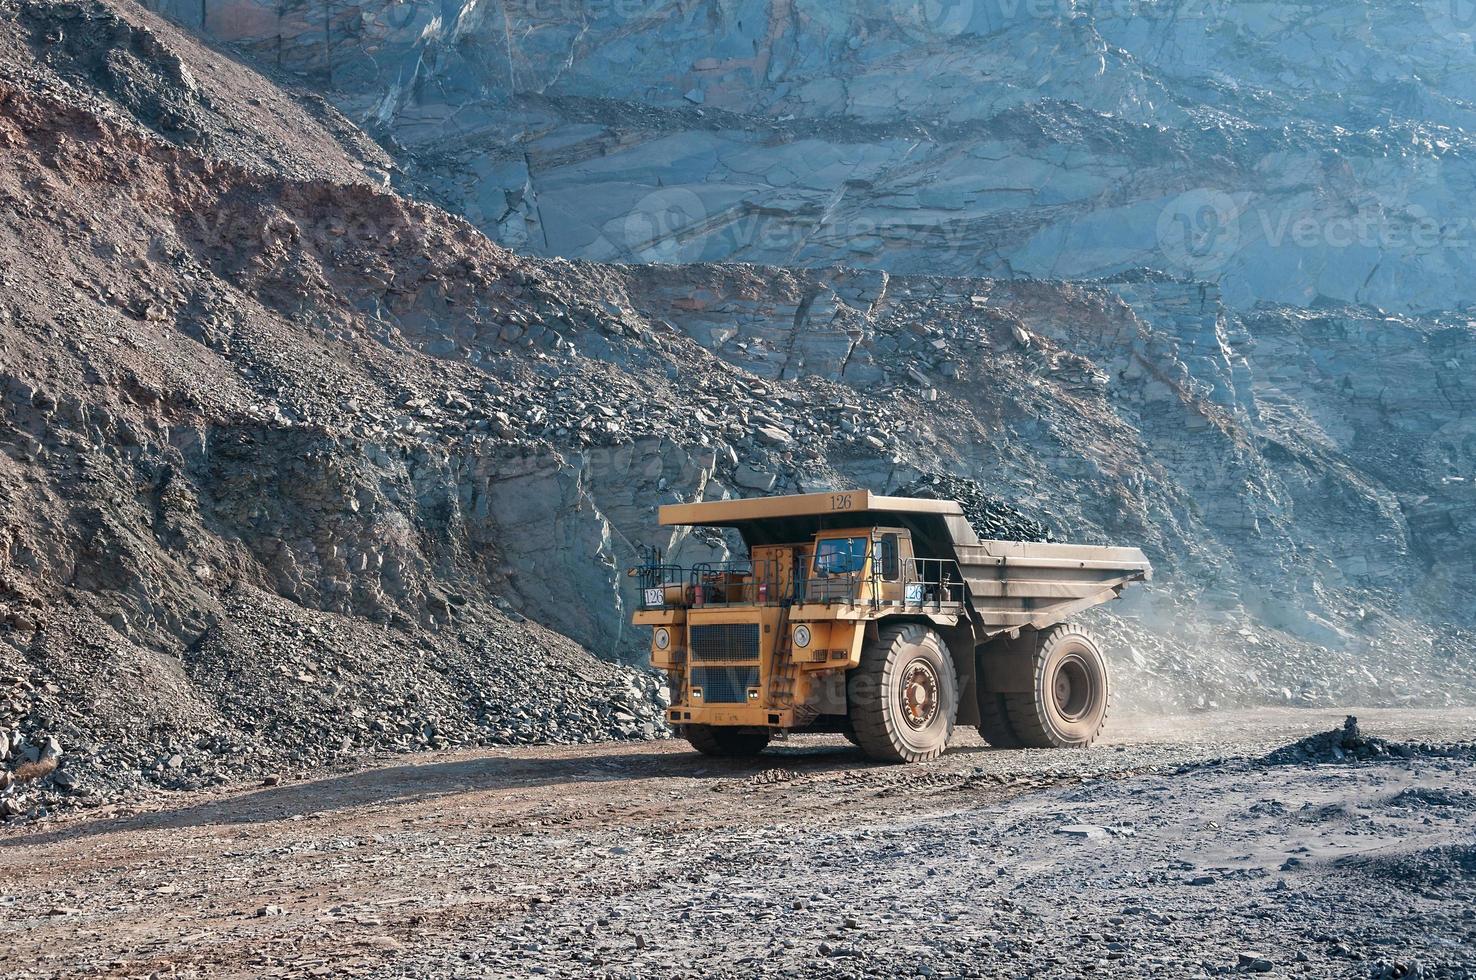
1349,745
1253,963
619,860
992,520
1083,831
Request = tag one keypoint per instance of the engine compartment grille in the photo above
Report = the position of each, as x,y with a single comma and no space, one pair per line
727,642
725,685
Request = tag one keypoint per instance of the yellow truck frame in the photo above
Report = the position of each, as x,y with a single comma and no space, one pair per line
885,618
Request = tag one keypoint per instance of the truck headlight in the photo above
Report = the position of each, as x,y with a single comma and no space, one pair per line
801,636
663,638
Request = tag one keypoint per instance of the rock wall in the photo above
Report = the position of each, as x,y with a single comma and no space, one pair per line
1288,151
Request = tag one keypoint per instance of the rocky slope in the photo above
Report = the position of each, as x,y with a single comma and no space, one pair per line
296,467
1289,151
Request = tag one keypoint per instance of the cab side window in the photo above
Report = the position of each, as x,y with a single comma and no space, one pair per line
891,566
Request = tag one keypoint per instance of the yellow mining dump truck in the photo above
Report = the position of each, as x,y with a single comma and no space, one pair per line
885,618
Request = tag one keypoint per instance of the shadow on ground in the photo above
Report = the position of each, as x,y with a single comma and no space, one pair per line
418,782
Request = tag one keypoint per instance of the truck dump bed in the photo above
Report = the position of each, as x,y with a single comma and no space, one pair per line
1011,584
1020,583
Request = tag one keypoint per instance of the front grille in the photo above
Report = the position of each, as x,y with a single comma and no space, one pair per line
725,642
725,685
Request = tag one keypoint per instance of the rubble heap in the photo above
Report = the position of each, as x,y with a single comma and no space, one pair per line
1348,744
991,519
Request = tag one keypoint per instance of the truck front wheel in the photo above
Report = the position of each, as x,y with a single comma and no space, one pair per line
903,698
730,743
1069,705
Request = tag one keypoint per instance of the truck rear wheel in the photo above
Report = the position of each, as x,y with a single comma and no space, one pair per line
729,743
903,697
1069,705
994,721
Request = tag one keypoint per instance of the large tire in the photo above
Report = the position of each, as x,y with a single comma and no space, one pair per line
1072,694
903,697
727,743
994,722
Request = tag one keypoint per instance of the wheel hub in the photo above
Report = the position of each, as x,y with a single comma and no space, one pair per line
919,695
1072,689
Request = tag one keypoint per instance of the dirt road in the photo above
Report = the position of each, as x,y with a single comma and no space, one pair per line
1166,851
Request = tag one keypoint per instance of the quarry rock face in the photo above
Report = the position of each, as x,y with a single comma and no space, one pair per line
295,466
1291,152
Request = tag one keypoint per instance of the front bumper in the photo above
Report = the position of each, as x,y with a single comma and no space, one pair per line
730,714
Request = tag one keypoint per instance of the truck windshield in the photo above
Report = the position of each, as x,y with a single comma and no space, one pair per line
839,556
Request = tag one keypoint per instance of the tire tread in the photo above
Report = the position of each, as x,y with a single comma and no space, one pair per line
994,722
724,743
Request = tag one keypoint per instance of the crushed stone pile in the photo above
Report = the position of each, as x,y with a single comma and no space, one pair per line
992,520
273,690
1349,744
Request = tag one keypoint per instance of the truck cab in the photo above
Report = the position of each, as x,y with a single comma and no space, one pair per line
850,613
